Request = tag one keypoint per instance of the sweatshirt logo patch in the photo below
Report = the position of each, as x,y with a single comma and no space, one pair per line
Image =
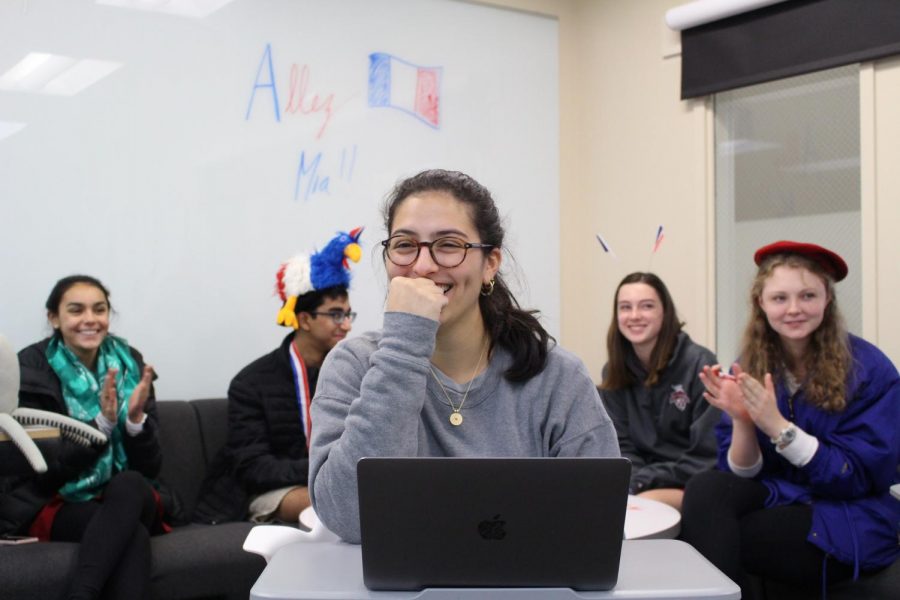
679,397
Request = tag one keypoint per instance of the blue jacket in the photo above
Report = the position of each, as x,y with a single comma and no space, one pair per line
848,480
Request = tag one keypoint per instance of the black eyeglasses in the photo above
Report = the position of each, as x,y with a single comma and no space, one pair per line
338,316
447,252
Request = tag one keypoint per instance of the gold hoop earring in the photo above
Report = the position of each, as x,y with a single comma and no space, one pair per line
487,288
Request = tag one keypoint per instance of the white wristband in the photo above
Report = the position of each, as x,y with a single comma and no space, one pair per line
134,429
104,424
746,472
801,450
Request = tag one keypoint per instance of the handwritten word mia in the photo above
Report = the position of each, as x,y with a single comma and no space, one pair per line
312,178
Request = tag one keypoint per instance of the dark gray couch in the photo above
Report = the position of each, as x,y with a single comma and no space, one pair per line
191,562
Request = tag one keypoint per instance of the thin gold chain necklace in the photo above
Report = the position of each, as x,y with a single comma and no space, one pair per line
456,417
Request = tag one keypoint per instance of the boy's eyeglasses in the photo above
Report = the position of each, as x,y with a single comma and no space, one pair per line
338,316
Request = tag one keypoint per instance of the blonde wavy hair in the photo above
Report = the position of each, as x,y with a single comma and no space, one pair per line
827,361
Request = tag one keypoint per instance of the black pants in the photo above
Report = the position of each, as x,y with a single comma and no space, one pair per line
114,556
725,519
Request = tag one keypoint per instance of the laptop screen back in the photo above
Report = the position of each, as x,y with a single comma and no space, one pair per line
492,522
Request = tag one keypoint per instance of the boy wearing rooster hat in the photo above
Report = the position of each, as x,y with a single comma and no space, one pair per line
261,473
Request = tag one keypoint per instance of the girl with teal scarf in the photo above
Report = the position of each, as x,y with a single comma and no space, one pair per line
103,497
83,393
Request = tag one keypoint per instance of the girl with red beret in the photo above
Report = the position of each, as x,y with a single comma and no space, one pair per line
809,445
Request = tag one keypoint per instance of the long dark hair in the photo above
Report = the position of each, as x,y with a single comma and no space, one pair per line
507,324
62,286
618,347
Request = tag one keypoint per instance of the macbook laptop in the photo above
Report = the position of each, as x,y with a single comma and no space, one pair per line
492,522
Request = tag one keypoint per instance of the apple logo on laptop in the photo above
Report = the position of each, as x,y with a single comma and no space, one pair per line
492,529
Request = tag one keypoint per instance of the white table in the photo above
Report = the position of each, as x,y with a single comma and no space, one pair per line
650,519
649,569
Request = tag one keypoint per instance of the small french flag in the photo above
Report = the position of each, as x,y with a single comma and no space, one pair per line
396,83
659,239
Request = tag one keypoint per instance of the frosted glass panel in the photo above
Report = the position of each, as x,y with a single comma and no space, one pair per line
787,168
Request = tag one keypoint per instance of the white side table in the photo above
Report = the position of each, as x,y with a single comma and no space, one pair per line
649,519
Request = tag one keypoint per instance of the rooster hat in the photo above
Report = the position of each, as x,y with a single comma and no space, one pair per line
324,269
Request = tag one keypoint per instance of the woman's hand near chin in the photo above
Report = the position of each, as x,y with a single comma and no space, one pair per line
419,296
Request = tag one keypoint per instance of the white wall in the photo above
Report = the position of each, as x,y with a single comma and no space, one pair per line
182,180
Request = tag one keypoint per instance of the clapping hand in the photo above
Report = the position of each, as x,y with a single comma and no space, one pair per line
744,398
724,392
139,396
109,400
761,405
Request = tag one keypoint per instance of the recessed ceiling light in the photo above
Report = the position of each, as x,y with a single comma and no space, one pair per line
8,128
197,9
43,73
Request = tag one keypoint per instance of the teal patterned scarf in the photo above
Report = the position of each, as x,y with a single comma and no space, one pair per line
81,391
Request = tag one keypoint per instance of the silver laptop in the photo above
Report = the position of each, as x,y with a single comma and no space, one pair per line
492,522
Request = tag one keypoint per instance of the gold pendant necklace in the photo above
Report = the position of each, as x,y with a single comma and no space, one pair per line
456,417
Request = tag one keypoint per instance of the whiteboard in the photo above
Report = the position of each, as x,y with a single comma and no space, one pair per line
180,157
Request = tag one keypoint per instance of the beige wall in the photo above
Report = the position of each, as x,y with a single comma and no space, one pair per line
884,265
635,156
642,164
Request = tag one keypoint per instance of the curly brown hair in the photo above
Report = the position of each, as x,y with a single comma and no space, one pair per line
827,361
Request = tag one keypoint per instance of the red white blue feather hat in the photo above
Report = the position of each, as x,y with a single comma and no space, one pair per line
306,273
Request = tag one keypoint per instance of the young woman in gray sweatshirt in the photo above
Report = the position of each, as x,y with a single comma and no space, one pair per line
458,369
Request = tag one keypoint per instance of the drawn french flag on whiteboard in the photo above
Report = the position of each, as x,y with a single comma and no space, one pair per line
396,83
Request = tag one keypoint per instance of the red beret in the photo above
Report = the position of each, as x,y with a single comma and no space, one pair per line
833,264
